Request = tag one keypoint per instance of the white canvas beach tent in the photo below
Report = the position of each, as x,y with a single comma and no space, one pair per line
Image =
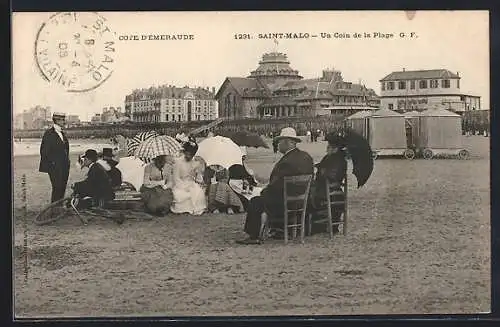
440,129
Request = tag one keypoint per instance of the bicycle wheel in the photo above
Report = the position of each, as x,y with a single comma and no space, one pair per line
53,212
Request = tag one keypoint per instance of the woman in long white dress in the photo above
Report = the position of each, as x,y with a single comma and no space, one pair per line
188,188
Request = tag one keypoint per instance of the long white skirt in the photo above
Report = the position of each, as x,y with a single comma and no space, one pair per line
189,197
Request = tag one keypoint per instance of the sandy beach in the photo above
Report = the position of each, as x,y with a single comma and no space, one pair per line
418,242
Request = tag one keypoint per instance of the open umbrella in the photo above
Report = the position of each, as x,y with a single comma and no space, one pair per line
244,138
134,142
132,170
219,150
361,155
359,151
157,146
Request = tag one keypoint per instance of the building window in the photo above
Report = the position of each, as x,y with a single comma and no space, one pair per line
412,85
434,84
383,86
458,83
179,116
402,85
391,106
390,85
445,83
422,84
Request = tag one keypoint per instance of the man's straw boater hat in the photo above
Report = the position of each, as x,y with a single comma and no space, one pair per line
58,115
288,133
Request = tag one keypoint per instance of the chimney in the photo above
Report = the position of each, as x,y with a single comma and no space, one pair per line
458,73
213,89
404,69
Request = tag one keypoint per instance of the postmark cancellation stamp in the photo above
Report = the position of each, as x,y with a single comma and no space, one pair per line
75,50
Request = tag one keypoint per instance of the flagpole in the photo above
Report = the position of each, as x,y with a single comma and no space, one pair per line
276,51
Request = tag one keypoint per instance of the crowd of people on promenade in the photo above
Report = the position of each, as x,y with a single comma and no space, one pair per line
184,184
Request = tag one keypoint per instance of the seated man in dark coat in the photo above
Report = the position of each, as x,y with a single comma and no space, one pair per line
97,185
270,204
333,167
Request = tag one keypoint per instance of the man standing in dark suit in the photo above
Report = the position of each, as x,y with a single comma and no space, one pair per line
54,156
270,204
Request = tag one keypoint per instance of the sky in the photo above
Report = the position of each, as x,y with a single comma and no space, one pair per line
454,40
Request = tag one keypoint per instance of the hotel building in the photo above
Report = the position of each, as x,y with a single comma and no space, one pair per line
423,89
169,103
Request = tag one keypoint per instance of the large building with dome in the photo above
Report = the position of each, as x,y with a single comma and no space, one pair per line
275,89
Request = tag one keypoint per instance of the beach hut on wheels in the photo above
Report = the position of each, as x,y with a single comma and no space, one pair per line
387,134
441,134
359,123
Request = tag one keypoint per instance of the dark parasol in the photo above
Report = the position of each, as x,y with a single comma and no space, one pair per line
243,138
359,150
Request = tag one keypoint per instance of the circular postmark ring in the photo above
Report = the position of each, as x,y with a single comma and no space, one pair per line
75,50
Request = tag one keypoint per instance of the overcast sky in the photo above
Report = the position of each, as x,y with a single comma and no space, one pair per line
454,40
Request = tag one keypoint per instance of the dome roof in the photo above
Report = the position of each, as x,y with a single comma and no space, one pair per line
275,64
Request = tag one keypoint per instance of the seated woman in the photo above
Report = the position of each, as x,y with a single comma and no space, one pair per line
109,163
333,167
221,198
188,183
156,190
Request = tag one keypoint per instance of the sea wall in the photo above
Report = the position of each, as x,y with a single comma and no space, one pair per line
261,126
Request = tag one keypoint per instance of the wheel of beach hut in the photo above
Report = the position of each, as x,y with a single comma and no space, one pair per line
428,154
463,154
409,154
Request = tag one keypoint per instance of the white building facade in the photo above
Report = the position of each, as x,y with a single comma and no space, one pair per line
425,89
171,104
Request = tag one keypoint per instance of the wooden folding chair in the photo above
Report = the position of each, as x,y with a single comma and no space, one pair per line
330,202
295,205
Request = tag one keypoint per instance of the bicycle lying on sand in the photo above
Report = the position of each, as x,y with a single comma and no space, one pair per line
126,199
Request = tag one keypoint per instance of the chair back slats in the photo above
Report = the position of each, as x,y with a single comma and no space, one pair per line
300,187
296,198
332,194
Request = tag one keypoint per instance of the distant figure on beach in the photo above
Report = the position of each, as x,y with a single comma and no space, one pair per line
54,156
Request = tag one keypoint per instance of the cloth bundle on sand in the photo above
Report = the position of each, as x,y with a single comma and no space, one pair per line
157,198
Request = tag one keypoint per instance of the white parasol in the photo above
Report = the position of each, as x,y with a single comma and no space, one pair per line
219,150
